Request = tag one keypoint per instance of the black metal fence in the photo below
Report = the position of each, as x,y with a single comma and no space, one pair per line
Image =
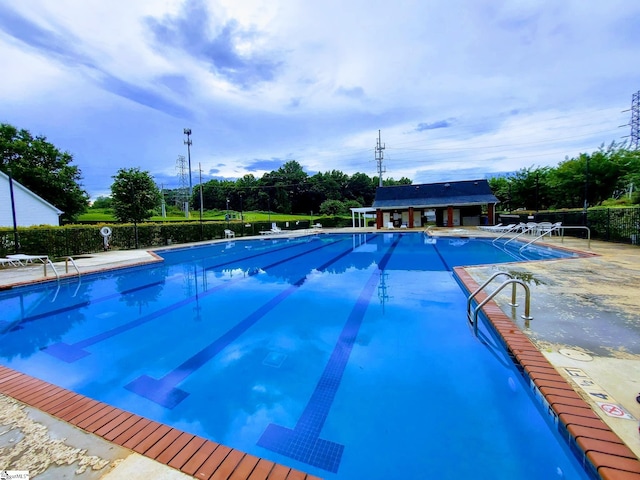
621,225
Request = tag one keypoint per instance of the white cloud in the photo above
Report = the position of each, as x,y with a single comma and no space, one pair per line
517,83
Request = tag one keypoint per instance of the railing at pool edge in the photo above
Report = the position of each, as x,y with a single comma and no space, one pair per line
66,267
561,229
512,281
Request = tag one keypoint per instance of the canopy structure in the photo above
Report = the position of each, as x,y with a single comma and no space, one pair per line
363,214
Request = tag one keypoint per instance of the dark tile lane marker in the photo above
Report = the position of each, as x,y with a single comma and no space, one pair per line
75,351
303,443
164,391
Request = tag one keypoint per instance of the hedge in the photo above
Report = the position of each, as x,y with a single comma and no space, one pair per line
71,240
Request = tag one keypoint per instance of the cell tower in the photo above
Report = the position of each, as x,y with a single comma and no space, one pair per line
379,156
635,121
182,195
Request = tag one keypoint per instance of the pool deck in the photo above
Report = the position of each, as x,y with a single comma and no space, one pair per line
581,354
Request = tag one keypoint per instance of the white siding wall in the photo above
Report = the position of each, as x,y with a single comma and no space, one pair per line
30,209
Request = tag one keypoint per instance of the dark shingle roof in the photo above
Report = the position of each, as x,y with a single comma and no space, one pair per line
469,192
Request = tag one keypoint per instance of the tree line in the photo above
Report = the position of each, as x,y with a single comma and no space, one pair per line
611,173
288,190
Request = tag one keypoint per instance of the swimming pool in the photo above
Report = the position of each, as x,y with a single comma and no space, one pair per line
347,356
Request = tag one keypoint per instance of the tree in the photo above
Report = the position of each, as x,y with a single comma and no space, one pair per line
43,169
332,207
102,202
134,195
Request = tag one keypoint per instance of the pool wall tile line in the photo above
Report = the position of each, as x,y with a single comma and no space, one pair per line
191,454
601,452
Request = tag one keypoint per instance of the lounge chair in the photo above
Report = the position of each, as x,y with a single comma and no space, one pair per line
275,228
23,259
7,261
548,227
490,228
390,225
229,233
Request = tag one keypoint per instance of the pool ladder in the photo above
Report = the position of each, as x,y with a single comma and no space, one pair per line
511,281
66,267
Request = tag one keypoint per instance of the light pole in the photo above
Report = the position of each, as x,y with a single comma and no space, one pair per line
187,132
227,215
16,239
201,203
241,215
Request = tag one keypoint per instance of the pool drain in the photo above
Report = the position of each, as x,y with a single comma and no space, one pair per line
274,359
575,354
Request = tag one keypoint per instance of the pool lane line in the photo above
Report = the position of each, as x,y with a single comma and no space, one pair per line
242,259
444,262
13,326
39,316
303,442
164,391
72,352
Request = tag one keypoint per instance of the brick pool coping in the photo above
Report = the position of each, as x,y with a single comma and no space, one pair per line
190,454
600,451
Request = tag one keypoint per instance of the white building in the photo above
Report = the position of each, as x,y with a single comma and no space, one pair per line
30,208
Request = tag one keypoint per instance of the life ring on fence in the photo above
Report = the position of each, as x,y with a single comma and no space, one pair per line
105,231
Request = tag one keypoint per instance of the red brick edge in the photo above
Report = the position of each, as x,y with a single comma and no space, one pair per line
595,445
191,454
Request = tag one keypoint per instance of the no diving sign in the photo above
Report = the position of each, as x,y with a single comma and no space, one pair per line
614,410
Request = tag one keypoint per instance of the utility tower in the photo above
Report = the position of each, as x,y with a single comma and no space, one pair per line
634,143
182,195
379,156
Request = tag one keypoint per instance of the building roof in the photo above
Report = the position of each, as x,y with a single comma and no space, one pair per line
430,195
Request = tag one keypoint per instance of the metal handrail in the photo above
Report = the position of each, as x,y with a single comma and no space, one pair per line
527,302
546,232
525,229
580,227
481,287
514,228
49,262
66,265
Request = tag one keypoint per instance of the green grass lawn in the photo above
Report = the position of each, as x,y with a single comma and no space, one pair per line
105,215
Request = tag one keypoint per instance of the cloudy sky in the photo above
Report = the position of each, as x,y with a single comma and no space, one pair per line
460,89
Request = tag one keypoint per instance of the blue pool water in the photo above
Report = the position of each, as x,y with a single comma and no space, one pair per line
346,356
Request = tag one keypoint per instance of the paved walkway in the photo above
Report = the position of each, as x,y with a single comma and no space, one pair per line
585,317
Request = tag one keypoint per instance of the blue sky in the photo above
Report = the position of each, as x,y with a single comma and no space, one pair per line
460,89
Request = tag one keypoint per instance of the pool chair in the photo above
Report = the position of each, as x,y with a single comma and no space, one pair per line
507,228
7,261
390,225
23,259
275,228
229,233
549,228
490,228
